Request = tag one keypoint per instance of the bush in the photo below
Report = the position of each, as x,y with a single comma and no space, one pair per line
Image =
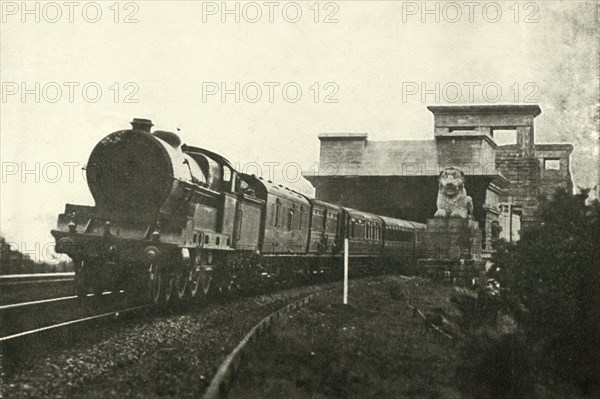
496,367
551,277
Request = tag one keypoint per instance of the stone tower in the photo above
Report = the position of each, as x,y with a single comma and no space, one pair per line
494,137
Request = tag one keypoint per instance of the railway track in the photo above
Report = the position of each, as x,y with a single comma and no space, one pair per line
16,318
19,279
70,323
18,347
35,303
20,288
39,315
33,327
141,351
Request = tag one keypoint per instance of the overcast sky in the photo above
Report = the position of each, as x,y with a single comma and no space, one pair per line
345,66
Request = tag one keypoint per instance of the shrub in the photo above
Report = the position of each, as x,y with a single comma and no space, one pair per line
496,367
550,279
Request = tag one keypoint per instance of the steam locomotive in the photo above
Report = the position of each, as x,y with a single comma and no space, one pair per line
174,221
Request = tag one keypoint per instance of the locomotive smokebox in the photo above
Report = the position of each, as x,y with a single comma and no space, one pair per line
141,124
131,171
168,137
135,172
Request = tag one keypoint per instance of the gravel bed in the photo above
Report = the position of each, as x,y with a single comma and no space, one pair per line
162,356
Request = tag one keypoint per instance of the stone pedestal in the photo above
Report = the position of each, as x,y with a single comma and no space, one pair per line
452,250
464,273
452,239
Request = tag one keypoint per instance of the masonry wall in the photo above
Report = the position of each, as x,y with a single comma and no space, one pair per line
469,153
524,176
491,215
482,121
490,218
342,152
552,180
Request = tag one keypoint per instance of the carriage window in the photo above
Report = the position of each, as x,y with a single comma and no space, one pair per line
300,217
332,224
353,228
226,174
317,220
277,211
290,220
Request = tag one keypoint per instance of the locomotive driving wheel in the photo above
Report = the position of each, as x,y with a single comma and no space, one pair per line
169,286
181,282
156,283
200,280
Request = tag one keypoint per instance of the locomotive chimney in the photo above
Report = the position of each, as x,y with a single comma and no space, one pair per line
141,124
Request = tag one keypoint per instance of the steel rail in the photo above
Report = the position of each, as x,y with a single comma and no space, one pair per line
60,280
10,279
34,303
47,301
73,322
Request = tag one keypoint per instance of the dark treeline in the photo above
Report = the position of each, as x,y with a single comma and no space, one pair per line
12,261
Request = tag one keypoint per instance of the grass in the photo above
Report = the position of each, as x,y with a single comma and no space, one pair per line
374,347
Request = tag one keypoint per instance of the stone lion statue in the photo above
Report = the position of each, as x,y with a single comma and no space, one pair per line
452,200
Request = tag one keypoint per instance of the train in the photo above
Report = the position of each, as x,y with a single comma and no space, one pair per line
173,221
